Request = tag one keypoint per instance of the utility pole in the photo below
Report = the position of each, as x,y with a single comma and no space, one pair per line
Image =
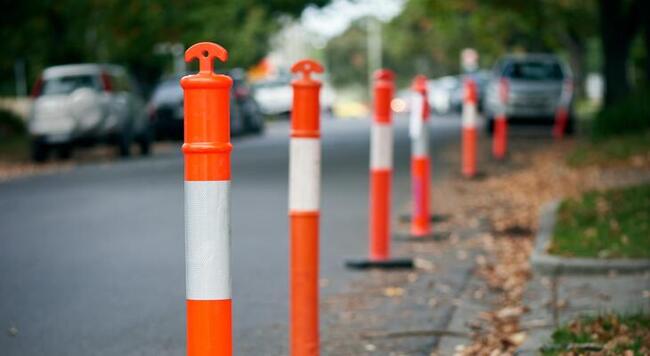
374,43
19,72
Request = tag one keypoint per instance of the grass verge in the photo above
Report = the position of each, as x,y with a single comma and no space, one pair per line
602,335
610,150
609,224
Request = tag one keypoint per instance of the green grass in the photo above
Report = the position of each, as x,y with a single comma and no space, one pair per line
609,150
609,224
614,333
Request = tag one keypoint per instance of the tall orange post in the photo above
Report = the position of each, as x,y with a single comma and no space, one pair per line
420,162
207,204
304,207
560,125
381,170
500,136
470,114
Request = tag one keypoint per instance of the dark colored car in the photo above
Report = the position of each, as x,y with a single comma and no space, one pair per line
166,108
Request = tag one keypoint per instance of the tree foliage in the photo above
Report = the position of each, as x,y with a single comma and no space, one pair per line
428,36
49,32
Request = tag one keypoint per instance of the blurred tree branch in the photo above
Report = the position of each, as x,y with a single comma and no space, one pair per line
49,32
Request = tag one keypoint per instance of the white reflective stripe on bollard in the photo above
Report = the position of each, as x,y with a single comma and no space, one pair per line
381,146
470,114
420,144
207,240
304,174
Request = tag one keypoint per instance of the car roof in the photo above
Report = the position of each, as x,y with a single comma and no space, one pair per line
517,57
81,69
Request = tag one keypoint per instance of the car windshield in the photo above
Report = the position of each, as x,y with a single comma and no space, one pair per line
68,84
168,91
534,70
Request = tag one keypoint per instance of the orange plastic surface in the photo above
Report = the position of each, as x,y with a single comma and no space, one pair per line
209,329
420,85
304,283
561,120
471,95
305,113
420,176
207,116
384,88
469,151
380,182
500,137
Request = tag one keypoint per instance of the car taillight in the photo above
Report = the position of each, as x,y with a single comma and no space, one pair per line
241,92
151,112
106,82
503,90
37,88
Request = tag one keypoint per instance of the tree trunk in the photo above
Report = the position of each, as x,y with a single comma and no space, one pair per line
616,46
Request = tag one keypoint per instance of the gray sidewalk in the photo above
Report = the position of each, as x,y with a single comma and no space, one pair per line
556,300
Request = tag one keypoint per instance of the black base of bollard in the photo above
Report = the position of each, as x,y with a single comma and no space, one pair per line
478,176
406,218
391,263
407,237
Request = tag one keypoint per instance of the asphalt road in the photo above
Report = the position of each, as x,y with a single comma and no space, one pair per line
92,260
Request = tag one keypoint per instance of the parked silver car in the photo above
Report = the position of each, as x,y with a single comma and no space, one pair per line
531,87
83,104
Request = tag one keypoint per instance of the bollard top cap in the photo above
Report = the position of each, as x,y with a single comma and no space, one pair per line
306,67
384,74
206,52
419,83
471,95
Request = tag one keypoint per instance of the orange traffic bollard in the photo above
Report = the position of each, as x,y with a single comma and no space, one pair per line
500,136
420,162
560,126
304,207
207,204
381,170
470,114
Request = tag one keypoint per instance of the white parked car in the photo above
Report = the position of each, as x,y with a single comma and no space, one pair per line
83,104
274,97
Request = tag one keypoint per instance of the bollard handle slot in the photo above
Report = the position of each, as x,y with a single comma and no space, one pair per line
307,66
206,52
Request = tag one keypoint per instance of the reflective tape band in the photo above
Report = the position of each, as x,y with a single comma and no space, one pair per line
207,240
381,146
470,114
420,144
304,174
417,113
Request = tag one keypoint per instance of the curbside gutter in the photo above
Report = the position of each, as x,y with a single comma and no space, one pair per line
547,264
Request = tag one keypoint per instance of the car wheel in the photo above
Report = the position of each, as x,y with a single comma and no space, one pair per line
144,143
254,119
489,125
124,143
39,151
64,152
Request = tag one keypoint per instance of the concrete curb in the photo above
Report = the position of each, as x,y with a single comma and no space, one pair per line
548,264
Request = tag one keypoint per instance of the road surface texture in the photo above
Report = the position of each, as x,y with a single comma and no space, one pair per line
92,259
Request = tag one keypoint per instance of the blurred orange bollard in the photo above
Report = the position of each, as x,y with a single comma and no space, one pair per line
470,114
500,137
420,163
304,207
381,170
560,126
207,204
